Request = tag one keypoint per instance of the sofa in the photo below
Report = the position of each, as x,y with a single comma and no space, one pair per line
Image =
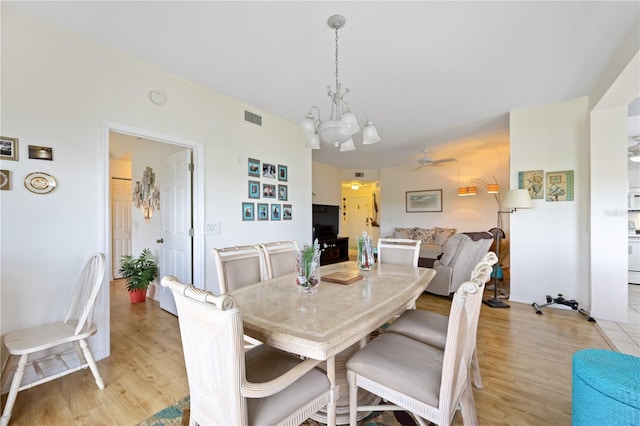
432,239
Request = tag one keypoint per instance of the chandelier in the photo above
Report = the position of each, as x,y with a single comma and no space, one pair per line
342,123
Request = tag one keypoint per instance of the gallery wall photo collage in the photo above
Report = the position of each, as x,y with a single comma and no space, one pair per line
268,185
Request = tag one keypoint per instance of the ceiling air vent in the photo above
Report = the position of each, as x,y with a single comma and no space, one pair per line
358,174
252,118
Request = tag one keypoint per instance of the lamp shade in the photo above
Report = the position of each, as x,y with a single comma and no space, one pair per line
348,145
517,199
462,191
314,141
370,134
472,190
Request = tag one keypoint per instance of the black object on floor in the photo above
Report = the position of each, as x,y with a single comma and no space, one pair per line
562,301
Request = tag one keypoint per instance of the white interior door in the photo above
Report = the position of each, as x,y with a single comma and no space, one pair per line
176,246
358,214
120,222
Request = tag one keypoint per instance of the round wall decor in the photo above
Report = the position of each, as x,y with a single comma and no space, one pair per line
39,183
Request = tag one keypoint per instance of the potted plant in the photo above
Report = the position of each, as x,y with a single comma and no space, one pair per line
140,272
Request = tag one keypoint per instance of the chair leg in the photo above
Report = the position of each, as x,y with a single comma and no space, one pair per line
468,407
475,369
353,398
13,391
88,356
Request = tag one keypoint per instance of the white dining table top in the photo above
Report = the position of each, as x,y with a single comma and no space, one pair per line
323,324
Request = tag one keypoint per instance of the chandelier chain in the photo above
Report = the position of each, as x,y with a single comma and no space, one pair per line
337,87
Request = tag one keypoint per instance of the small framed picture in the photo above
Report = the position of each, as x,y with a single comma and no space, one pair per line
282,173
5,180
8,148
287,212
282,193
40,152
268,190
532,181
253,167
254,189
263,211
276,211
560,186
269,170
247,211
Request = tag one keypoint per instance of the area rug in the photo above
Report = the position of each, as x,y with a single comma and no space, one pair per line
178,415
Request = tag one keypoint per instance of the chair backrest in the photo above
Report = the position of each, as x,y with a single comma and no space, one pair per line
398,251
212,342
239,266
280,257
459,346
84,296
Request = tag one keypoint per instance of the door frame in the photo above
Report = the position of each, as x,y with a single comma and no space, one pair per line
198,255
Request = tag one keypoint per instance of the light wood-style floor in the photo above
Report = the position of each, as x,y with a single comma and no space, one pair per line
525,361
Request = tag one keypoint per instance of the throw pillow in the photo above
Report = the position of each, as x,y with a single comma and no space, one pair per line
424,235
402,233
443,234
450,249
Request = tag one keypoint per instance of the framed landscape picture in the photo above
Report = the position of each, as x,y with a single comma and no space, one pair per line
424,201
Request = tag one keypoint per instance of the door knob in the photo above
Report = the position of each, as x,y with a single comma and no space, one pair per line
160,241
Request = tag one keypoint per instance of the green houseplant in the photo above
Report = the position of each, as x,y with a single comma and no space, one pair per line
140,272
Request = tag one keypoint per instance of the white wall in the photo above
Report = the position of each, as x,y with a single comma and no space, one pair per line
549,247
466,214
326,184
57,90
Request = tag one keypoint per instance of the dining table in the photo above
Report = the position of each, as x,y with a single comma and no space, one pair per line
333,323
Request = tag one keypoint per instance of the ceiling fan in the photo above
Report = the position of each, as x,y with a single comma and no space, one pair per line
426,160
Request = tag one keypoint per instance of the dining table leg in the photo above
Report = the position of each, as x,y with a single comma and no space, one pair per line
334,393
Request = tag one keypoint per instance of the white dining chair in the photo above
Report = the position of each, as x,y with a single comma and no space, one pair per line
431,328
412,376
398,251
237,267
280,257
61,347
228,386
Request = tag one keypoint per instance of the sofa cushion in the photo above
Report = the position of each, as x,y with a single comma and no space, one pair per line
430,251
424,235
405,233
443,234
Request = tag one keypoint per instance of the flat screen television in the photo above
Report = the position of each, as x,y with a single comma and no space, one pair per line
326,221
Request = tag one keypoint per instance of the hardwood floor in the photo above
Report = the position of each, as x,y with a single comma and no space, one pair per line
525,360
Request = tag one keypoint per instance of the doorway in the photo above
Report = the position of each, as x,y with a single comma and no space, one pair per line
197,202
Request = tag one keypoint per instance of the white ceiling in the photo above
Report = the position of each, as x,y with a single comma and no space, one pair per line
429,74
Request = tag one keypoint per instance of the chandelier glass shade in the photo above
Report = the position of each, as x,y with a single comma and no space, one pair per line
342,124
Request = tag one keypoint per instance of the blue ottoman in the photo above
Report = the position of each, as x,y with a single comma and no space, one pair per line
606,388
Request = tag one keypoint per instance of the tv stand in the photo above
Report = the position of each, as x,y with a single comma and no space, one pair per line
334,250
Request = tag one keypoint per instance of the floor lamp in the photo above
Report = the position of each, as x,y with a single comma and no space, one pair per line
514,199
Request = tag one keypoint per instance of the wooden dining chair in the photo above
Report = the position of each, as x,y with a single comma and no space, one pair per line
239,266
412,376
431,328
398,251
228,386
280,257
61,347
